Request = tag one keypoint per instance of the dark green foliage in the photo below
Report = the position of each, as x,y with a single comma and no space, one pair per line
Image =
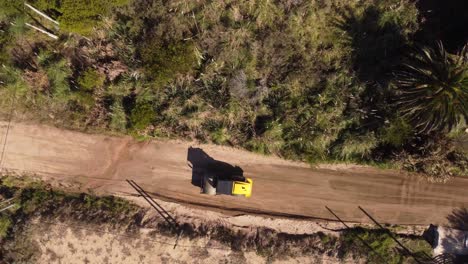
397,133
10,9
433,89
118,117
90,79
142,115
163,62
5,39
376,39
384,247
59,74
79,16
48,202
5,224
115,206
445,21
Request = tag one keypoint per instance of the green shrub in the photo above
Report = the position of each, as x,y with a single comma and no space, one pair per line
90,80
108,204
118,117
142,115
384,247
32,198
5,224
397,133
59,73
220,136
10,9
164,62
39,200
79,16
80,101
12,80
357,147
270,142
441,79
5,40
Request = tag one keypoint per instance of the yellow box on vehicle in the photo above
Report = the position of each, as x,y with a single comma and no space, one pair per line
243,188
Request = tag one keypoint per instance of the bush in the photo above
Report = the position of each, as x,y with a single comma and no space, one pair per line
90,79
384,247
142,115
5,224
220,136
270,141
355,147
397,133
80,101
5,40
40,200
438,159
164,62
79,16
10,9
59,73
118,117
109,204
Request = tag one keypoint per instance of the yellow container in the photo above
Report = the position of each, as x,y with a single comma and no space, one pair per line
243,188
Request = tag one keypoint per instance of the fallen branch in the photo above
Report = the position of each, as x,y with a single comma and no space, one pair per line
42,31
41,13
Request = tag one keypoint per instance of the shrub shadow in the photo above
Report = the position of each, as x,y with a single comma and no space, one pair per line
443,20
378,48
458,219
376,45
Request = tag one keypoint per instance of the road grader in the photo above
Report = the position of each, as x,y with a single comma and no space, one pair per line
219,184
217,177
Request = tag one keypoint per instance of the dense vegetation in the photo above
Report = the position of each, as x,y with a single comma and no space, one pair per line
309,80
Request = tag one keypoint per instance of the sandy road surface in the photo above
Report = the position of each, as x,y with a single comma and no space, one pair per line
102,163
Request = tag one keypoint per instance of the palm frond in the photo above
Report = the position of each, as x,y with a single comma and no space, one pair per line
433,89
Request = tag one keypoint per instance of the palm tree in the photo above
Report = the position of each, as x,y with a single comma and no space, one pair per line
432,89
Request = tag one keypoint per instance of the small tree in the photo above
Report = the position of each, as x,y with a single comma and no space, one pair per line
432,90
78,16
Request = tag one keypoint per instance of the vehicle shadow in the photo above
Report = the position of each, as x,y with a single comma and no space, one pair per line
201,162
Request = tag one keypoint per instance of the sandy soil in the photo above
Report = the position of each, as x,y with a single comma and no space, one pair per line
281,188
68,242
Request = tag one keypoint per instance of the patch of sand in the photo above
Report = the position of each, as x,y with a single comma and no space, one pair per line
71,243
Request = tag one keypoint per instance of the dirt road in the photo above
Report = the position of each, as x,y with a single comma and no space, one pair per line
102,163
